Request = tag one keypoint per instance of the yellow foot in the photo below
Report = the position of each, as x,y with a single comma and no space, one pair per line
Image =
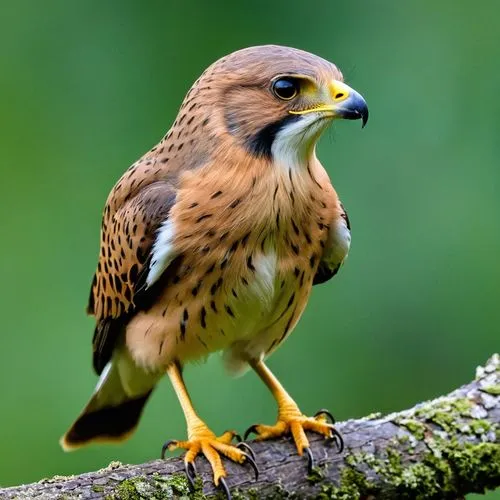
204,441
296,424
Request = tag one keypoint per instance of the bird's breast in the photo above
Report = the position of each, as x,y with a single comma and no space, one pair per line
247,256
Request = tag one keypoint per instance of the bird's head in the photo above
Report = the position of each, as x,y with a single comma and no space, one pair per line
275,101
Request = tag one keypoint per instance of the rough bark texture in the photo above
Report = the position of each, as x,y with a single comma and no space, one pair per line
440,449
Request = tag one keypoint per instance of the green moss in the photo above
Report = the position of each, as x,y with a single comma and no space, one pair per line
115,464
127,490
353,486
373,416
410,480
97,489
416,428
419,479
316,476
238,495
157,487
394,467
177,482
361,458
254,494
476,464
447,414
450,467
479,426
494,390
403,439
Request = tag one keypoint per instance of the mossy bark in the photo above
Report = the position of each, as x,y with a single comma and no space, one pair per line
441,449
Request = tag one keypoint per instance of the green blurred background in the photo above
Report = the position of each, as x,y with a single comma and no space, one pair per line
87,87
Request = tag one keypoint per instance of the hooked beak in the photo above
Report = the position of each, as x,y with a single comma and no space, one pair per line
349,104
345,103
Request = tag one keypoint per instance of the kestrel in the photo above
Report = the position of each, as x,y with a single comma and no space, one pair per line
213,240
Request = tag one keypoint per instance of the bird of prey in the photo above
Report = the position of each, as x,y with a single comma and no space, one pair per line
213,240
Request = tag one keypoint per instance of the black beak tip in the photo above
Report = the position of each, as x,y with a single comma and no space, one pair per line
362,110
364,117
355,108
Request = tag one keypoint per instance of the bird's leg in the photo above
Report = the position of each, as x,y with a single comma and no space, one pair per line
290,418
202,440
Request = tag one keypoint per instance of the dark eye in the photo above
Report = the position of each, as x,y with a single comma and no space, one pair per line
286,88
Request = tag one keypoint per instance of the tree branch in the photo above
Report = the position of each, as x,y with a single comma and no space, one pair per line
440,449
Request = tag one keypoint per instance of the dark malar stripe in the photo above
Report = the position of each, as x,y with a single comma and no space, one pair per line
261,143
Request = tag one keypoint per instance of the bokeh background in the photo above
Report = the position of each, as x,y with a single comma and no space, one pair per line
87,87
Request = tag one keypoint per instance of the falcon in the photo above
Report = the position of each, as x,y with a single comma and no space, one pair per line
212,241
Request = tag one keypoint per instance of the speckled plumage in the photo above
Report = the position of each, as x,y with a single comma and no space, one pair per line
218,225
213,239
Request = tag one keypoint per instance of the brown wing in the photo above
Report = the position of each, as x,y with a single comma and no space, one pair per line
127,237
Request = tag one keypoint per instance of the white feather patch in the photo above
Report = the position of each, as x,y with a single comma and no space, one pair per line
294,141
265,277
342,237
103,377
163,251
339,243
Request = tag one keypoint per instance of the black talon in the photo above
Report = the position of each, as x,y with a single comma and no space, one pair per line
190,470
252,428
325,412
337,439
238,437
224,488
310,460
195,471
251,461
243,446
164,448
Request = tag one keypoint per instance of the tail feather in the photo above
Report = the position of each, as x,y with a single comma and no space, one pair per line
114,410
108,424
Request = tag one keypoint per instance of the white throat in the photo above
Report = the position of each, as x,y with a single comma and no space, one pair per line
294,144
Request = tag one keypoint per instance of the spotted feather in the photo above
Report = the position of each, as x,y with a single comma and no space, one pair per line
127,238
